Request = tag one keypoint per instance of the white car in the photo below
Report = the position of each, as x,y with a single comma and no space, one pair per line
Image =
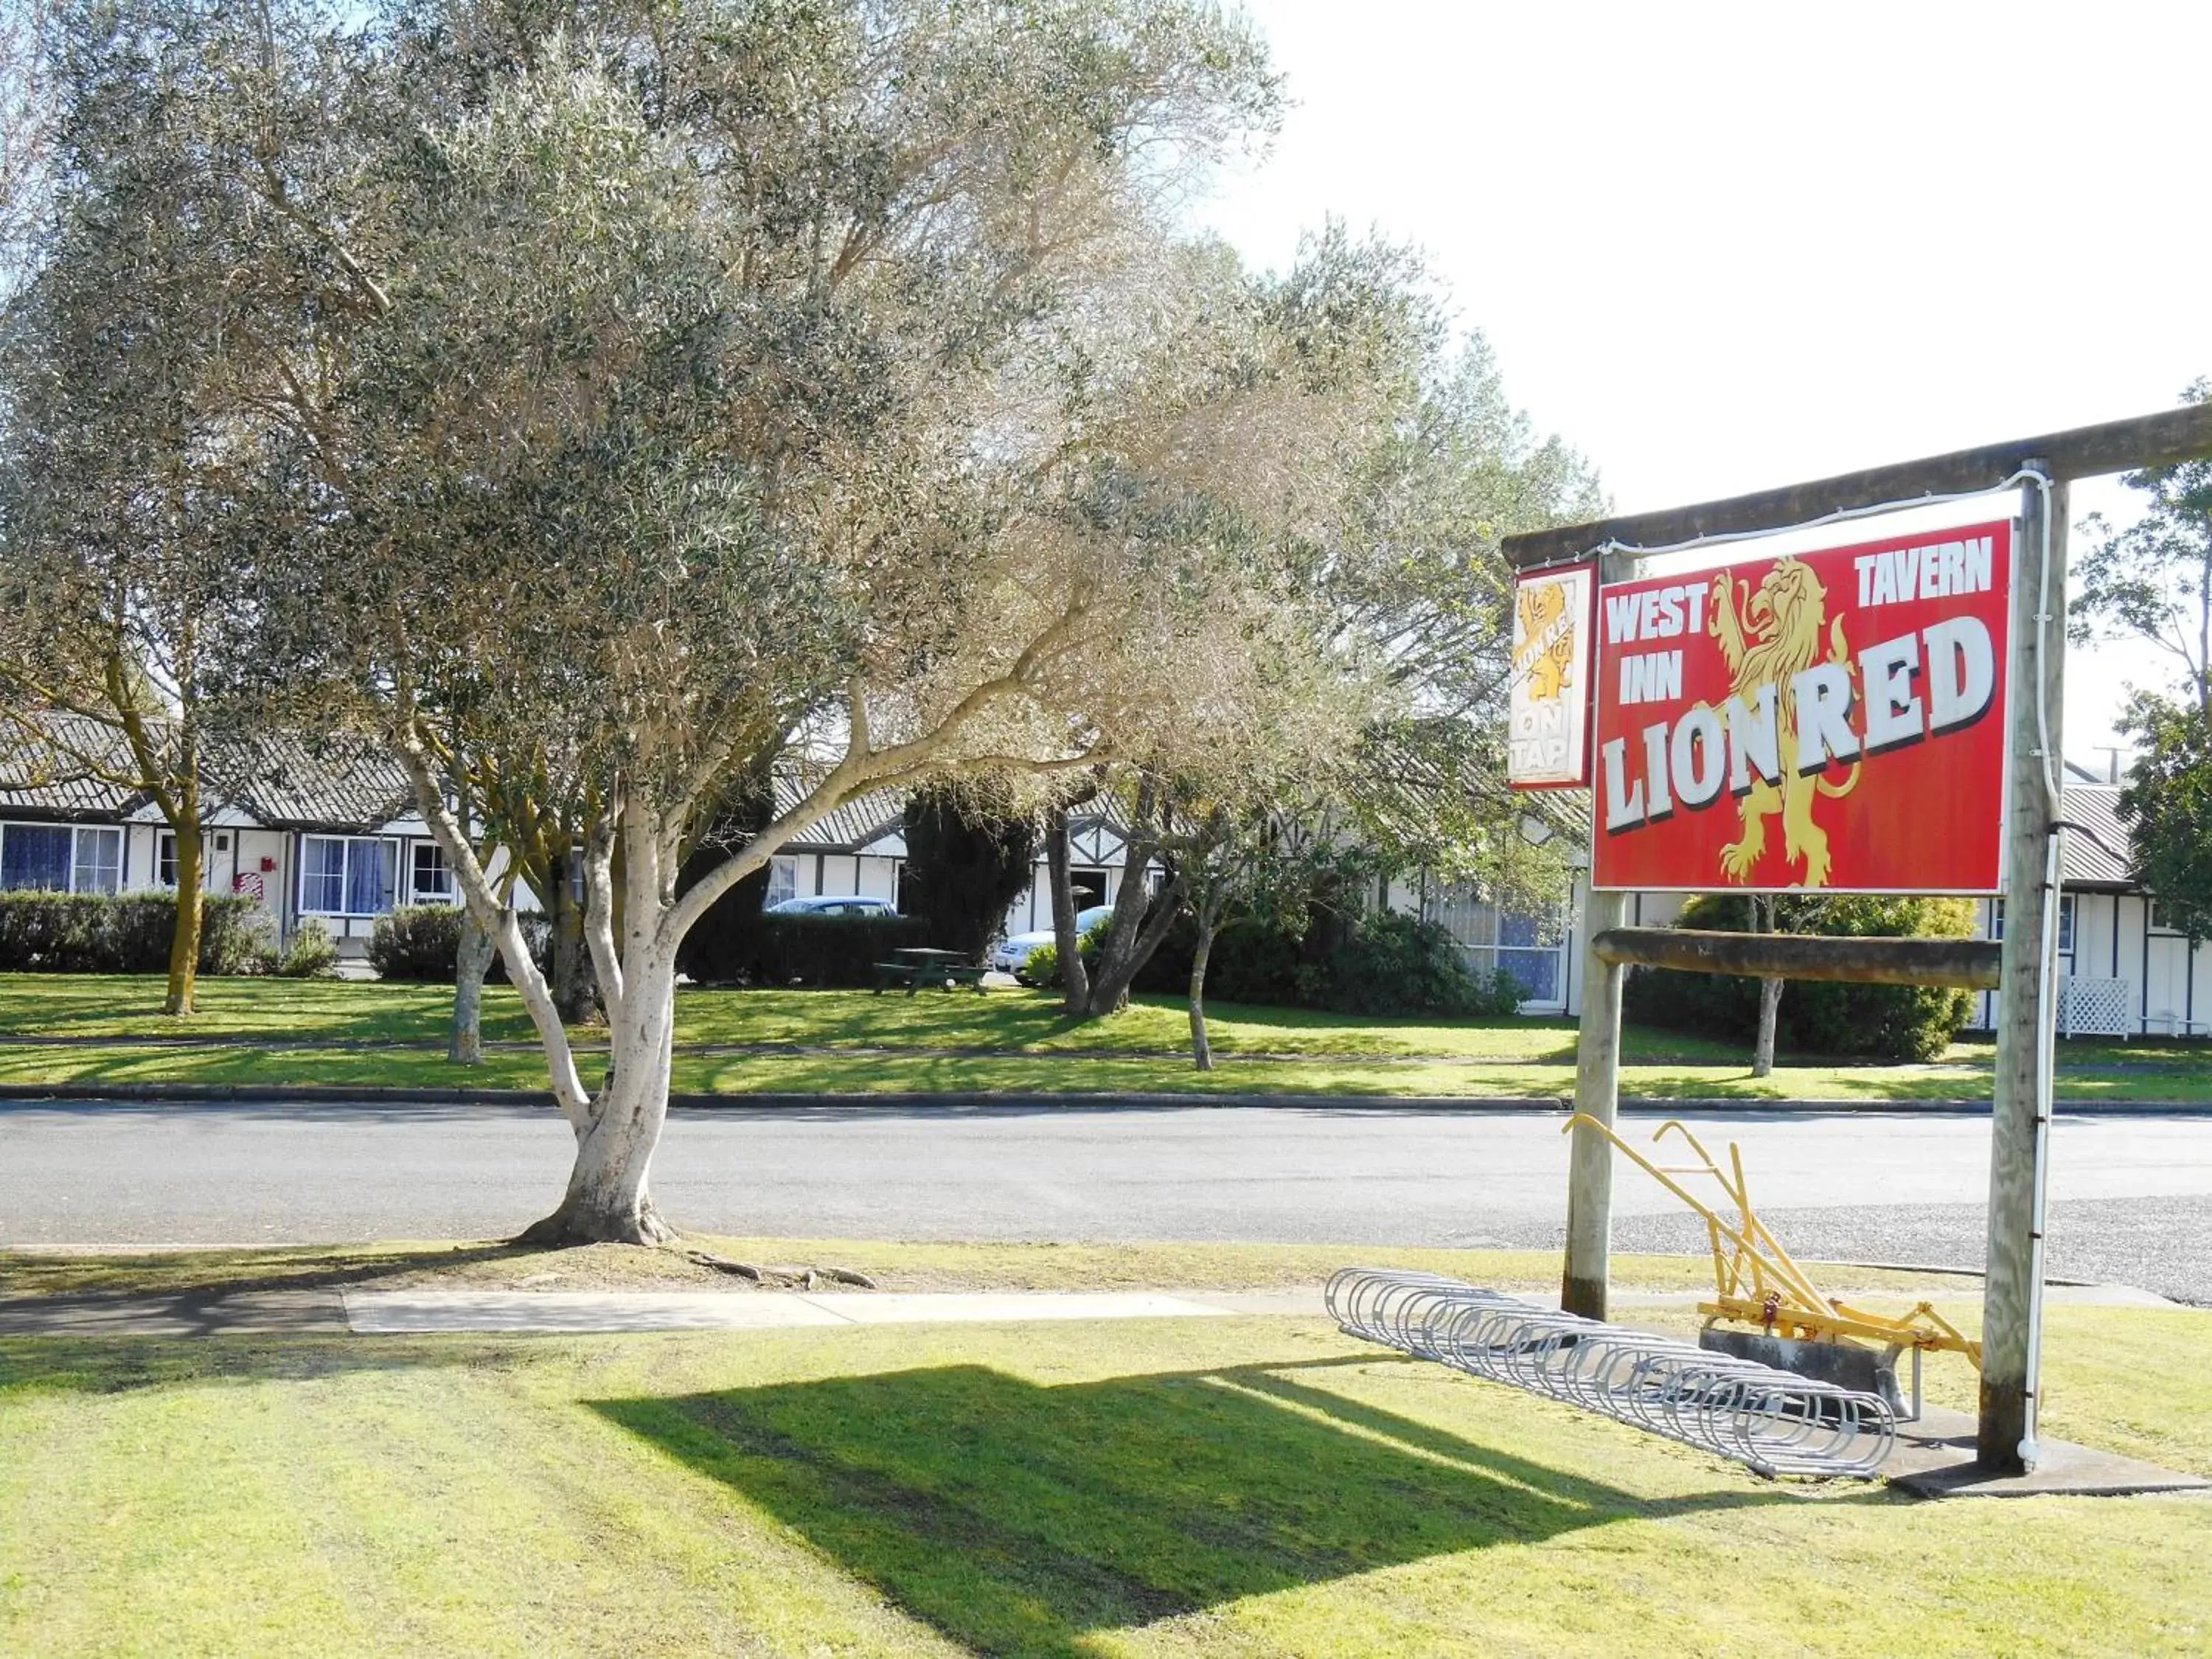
1012,955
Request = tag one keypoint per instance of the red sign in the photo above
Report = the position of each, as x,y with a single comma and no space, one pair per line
1547,740
1830,720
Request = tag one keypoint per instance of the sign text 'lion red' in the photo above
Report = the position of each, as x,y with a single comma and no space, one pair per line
1831,719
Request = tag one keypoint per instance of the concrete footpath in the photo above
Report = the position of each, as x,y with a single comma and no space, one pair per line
971,1100
502,1312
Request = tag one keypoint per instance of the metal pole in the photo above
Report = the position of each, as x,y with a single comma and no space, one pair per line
1588,1265
2011,1321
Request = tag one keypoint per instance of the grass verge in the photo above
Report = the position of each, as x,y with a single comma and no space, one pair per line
852,1043
1191,1488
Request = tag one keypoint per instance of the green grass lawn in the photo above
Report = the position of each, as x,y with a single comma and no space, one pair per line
851,1042
1192,1488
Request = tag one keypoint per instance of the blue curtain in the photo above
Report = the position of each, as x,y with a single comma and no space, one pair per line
370,872
35,855
1537,969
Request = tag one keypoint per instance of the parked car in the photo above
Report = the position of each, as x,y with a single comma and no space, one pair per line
1012,955
834,904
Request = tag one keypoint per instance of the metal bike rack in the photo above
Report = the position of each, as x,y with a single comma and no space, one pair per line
1775,1421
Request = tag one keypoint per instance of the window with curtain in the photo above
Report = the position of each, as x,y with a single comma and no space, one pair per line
36,855
346,875
782,881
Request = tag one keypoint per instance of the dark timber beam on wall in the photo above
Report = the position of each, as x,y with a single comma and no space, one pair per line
2087,452
1970,963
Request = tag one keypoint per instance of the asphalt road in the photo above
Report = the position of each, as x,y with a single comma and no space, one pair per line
2132,1197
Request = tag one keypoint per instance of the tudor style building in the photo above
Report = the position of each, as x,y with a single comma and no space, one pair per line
324,828
305,828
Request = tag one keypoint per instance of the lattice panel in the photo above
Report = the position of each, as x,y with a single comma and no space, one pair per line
2096,1007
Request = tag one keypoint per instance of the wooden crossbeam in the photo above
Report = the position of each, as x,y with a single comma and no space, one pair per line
1970,963
2087,452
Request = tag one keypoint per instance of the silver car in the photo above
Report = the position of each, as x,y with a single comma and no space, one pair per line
1012,955
834,904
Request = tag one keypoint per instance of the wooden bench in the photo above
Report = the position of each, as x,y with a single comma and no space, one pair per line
915,975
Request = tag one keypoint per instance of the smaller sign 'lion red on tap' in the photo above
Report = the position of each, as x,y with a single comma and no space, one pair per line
1830,720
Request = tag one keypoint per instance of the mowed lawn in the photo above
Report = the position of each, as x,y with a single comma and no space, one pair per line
1231,1487
350,1034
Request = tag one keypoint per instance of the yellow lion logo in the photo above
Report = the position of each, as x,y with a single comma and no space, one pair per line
1546,651
1783,623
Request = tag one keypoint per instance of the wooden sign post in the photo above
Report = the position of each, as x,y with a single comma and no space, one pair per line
2012,1315
2012,1309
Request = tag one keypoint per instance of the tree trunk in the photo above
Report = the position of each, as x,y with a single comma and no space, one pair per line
1075,980
608,1201
184,943
575,991
1769,995
1201,1053
1770,1000
472,962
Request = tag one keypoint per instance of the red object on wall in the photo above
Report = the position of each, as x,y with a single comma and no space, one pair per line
267,866
1830,720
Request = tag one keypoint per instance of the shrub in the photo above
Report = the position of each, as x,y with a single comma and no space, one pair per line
965,863
1883,1021
1043,967
1382,963
1394,965
121,933
310,955
422,942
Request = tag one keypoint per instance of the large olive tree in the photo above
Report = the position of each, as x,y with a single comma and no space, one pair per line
820,385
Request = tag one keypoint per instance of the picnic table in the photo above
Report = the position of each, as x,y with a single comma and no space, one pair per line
916,965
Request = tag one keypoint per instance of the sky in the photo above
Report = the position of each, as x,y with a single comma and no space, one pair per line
1721,247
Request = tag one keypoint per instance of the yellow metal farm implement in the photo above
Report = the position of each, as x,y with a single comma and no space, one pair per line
1757,1283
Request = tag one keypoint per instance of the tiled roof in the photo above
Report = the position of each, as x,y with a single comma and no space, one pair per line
864,819
869,818
2095,808
282,780
287,780
57,774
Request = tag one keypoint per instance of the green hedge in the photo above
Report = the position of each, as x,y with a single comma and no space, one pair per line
811,950
1883,1021
1381,963
126,933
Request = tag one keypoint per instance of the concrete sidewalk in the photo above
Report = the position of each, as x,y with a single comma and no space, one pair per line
392,1312
496,1312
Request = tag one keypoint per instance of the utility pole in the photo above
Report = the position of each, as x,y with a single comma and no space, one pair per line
1589,1268
2012,1311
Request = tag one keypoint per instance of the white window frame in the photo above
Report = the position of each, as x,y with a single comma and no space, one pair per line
2066,920
782,880
345,882
416,893
77,832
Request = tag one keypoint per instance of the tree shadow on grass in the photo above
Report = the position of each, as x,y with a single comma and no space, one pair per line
31,1365
194,1277
1016,1517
